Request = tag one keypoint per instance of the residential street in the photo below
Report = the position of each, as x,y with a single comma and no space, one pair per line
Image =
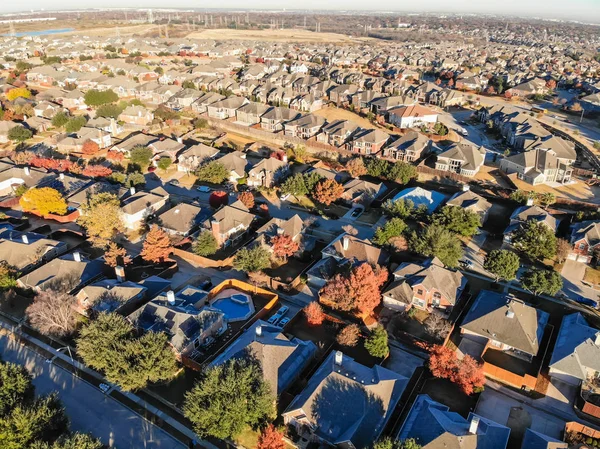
87,407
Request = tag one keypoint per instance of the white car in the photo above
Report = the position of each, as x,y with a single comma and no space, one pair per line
204,189
284,197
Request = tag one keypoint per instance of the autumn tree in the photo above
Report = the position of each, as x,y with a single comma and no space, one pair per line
349,335
356,167
90,147
18,92
437,326
314,313
97,171
503,264
327,191
102,218
157,245
377,342
43,200
284,246
247,199
218,198
466,373
116,256
270,438
53,313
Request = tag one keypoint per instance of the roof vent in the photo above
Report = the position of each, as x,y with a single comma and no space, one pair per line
25,239
258,330
473,425
176,211
339,357
171,297
510,314
77,256
597,341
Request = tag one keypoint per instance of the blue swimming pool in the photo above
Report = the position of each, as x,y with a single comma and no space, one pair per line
235,307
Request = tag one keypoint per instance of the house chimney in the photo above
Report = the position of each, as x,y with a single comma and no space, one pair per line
25,239
339,358
510,314
179,140
120,272
280,230
597,341
132,190
473,425
26,170
215,227
77,256
345,242
113,127
530,201
61,176
258,330
466,187
171,297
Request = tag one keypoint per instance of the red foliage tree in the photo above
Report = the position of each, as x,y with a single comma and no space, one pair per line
270,438
284,246
470,375
314,314
90,147
115,156
327,191
157,245
218,199
247,199
551,84
450,82
442,362
490,90
97,171
465,373
51,164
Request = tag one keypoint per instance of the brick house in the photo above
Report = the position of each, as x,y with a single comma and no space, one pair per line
585,238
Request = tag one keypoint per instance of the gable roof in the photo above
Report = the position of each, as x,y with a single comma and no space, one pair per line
358,250
469,200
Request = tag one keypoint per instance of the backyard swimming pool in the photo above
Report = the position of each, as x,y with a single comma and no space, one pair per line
235,305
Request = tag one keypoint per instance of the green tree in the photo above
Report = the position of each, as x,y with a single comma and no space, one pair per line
536,240
135,179
98,98
311,180
294,185
401,172
388,443
458,220
393,228
73,441
164,163
8,276
60,119
102,217
503,264
19,134
539,282
400,208
205,244
109,111
253,259
75,124
213,172
141,156
436,241
15,386
228,398
200,123
377,343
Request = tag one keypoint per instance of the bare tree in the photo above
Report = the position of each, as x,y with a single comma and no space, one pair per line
437,326
349,229
349,335
53,313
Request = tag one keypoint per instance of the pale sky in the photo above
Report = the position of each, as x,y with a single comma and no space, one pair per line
586,10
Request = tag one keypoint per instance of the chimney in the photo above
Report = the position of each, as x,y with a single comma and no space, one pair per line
171,297
61,176
179,140
473,425
77,256
215,227
280,230
258,330
26,170
120,272
530,201
345,242
466,187
339,357
25,239
510,314
597,341
113,127
132,190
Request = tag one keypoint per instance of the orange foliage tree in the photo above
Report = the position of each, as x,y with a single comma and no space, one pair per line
97,171
465,373
247,199
284,246
116,255
327,191
270,438
157,245
314,314
90,147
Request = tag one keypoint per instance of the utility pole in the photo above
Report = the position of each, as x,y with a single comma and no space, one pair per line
581,118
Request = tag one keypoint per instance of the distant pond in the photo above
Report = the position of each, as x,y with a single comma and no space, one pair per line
41,33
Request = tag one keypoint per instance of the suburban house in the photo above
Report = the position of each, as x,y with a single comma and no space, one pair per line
5,127
250,114
304,127
461,158
128,144
433,426
267,172
408,148
181,219
527,213
576,355
539,166
165,148
11,177
230,223
191,158
185,317
501,322
365,399
274,119
136,115
412,116
201,104
110,295
337,133
235,163
585,241
470,201
140,205
226,108
281,359
367,141
427,286
27,250
358,191
292,227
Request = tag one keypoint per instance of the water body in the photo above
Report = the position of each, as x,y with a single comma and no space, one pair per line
42,32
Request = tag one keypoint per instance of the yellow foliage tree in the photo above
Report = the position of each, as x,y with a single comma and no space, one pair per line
44,201
18,92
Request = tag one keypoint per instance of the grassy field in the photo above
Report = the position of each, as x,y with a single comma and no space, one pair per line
286,35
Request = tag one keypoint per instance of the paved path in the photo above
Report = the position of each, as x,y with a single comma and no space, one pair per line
87,407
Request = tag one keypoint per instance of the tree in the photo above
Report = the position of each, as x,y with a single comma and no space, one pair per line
101,217
96,171
466,373
74,441
400,208
18,92
377,343
546,199
458,220
140,155
563,249
15,386
314,313
437,326
538,282
294,185
90,147
164,163
252,260
270,438
393,228
60,119
440,129
536,240
19,134
436,241
200,123
157,245
43,200
8,276
116,256
349,335
356,167
284,246
95,97
213,172
218,198
327,191
205,244
228,398
503,264
247,199
109,111
470,377
75,124
388,443
135,179
109,344
401,172
53,313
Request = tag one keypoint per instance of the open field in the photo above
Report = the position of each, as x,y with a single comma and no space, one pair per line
579,190
112,30
285,35
332,114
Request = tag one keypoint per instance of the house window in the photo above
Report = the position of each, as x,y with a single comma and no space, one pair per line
437,297
419,291
582,246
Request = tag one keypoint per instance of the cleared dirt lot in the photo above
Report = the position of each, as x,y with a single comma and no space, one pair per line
111,31
575,191
285,35
332,114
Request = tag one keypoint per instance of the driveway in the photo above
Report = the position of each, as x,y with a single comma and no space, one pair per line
89,410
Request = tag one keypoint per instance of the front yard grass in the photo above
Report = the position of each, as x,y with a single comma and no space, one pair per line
592,275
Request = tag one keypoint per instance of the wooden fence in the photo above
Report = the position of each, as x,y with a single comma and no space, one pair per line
582,429
204,262
504,376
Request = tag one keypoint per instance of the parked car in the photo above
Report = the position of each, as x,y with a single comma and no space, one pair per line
356,212
174,182
204,189
284,321
284,197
